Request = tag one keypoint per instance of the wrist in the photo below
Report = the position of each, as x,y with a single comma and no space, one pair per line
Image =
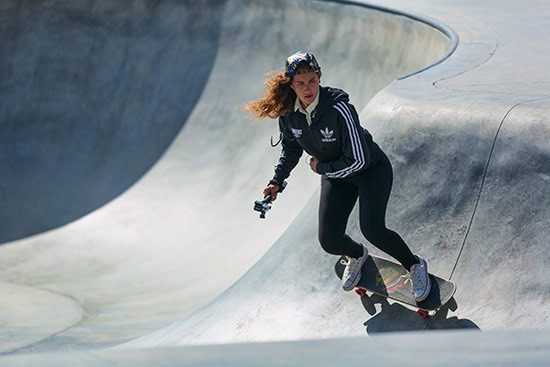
281,186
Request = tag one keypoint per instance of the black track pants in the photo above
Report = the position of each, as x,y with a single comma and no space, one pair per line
338,197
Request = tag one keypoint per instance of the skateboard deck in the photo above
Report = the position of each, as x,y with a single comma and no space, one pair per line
389,279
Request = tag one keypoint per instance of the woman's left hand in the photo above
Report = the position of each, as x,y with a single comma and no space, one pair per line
313,164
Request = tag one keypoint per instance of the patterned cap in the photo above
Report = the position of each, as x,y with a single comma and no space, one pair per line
293,60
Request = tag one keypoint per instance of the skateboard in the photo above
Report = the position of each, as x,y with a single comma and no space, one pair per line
389,279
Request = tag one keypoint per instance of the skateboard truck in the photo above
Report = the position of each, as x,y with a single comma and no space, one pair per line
263,206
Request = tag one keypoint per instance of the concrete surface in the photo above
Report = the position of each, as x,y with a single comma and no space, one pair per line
468,139
470,195
463,348
146,258
30,314
91,96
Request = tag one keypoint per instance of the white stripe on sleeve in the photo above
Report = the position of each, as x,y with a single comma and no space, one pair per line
357,148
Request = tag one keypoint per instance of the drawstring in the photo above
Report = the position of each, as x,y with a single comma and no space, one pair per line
281,137
277,143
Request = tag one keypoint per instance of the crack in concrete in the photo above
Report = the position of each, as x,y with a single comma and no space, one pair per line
74,300
485,176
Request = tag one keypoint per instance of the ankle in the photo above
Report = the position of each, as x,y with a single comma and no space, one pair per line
416,261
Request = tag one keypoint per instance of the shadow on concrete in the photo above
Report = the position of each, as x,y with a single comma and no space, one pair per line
388,317
92,96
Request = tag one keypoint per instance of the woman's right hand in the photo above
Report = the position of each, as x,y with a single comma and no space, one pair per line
272,190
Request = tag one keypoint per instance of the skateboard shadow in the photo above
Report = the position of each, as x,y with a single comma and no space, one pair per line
390,317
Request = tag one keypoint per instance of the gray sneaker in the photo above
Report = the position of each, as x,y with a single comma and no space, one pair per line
421,283
352,272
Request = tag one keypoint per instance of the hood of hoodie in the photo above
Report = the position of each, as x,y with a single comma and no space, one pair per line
328,97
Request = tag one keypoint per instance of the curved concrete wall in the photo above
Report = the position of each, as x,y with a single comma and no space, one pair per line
471,161
292,293
507,243
92,95
185,231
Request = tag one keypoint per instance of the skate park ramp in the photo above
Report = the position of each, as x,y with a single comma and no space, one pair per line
92,97
184,231
468,139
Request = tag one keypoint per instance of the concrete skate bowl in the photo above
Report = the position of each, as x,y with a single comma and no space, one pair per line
184,231
92,95
471,195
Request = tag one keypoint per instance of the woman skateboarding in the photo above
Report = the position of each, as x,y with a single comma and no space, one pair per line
321,121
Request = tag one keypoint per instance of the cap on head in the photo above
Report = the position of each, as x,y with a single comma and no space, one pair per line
294,60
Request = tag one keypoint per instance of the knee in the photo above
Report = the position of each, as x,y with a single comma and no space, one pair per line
375,234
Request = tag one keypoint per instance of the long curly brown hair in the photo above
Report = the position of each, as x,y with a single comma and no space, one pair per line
278,99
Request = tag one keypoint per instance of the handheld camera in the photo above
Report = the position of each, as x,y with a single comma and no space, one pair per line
263,206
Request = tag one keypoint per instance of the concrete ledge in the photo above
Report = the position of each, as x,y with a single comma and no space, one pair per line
465,348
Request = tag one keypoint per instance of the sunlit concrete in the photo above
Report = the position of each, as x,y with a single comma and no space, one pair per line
469,140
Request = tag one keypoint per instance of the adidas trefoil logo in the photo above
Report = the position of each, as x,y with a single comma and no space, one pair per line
327,136
297,133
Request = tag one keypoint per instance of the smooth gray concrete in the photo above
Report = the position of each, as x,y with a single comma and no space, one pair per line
92,95
464,348
186,231
30,314
471,167
468,139
493,114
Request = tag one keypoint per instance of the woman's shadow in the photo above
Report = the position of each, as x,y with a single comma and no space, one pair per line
396,317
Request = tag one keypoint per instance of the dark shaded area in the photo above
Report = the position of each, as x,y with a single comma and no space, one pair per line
92,95
396,317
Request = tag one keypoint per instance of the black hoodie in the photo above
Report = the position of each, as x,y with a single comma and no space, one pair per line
335,138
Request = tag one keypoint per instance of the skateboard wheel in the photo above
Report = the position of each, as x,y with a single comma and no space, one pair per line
360,292
423,314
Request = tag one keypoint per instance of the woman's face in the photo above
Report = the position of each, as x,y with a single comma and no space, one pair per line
306,87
